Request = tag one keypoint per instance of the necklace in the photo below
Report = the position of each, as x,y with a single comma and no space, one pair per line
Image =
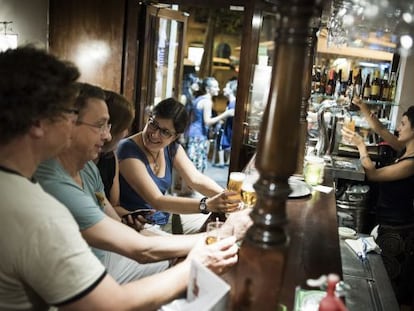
156,167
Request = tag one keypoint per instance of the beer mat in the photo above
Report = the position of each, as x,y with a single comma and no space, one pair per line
324,189
299,188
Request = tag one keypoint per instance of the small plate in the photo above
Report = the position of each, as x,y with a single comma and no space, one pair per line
347,233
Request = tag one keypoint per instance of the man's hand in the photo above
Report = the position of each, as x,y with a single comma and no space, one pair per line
241,221
218,257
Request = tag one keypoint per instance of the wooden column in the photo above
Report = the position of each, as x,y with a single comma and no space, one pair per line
306,97
260,269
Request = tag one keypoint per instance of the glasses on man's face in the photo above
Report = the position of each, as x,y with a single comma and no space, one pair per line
103,128
153,125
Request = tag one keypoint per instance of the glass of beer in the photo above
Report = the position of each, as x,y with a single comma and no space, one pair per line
248,194
236,181
218,230
349,123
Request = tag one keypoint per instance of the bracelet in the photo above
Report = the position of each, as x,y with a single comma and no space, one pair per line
363,157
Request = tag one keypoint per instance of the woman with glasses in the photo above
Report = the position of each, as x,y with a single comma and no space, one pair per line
201,120
146,162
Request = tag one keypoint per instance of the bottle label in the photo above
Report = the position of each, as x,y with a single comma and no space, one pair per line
375,90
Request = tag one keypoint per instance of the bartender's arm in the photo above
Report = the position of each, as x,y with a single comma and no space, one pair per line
377,126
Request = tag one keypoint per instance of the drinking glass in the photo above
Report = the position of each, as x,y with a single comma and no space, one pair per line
248,194
218,230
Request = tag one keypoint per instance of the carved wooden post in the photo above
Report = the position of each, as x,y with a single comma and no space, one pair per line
263,254
307,81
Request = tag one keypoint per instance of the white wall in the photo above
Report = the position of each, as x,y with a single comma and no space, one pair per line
30,20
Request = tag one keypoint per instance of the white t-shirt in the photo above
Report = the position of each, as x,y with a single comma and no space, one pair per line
43,258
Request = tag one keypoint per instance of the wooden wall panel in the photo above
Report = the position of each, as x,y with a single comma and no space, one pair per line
90,33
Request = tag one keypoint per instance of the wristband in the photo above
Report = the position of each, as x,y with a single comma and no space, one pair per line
363,157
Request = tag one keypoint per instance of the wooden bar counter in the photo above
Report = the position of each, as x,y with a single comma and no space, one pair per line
313,250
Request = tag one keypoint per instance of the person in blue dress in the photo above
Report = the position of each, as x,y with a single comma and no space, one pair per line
229,91
201,119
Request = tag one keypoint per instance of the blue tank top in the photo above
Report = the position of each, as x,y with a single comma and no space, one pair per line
131,200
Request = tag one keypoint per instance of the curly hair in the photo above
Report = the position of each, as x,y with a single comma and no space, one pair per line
171,108
34,85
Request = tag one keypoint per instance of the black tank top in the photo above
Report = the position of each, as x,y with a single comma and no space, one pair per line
395,200
106,166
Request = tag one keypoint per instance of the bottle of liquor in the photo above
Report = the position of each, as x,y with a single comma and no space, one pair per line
349,87
376,86
315,81
385,86
338,84
330,86
393,87
366,89
324,79
358,84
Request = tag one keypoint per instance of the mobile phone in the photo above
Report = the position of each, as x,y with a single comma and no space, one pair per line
145,212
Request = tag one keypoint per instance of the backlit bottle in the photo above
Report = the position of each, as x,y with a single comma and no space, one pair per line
366,88
330,86
393,87
385,86
349,87
358,84
376,86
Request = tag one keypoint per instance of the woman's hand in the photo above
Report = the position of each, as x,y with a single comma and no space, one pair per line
218,257
225,202
352,137
361,105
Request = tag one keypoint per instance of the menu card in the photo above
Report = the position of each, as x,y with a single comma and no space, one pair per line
205,292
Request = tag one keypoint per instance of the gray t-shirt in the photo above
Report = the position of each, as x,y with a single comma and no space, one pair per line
82,203
43,259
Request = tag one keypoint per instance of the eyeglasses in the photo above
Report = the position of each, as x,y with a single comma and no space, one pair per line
153,125
103,128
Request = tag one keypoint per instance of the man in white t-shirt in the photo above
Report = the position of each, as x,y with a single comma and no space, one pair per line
44,260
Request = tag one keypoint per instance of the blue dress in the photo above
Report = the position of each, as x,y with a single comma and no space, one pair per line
225,142
197,140
131,200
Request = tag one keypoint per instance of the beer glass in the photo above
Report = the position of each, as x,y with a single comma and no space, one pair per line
218,230
248,194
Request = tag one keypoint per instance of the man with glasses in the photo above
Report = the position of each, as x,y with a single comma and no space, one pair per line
44,261
73,178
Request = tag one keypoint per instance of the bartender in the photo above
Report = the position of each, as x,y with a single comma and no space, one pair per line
395,211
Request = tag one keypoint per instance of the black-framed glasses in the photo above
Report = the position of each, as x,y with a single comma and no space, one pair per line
153,125
103,128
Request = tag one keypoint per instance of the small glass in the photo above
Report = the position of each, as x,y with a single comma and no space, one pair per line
218,230
313,170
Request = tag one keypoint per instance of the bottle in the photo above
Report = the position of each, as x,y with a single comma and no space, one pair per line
330,86
315,81
358,84
385,86
375,86
393,87
338,84
322,86
349,92
331,302
366,89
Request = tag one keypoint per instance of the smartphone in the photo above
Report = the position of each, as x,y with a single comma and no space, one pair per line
145,212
